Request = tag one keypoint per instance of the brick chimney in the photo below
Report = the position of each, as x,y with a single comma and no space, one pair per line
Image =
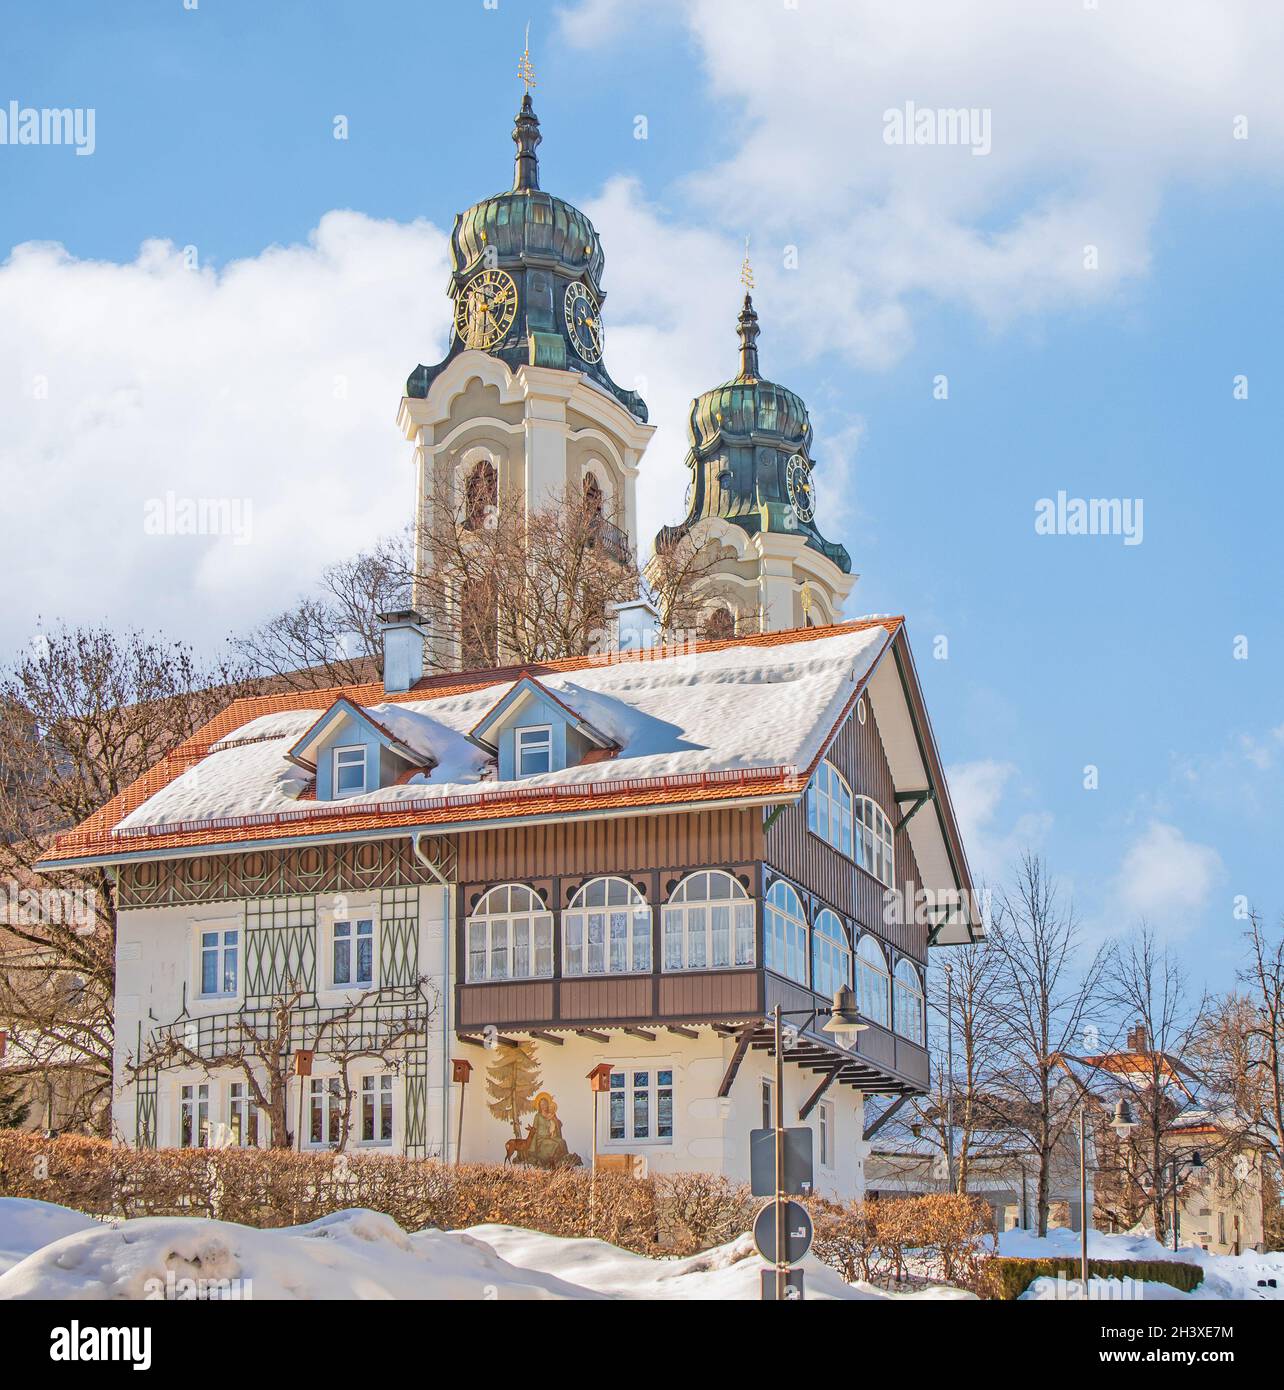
1138,1039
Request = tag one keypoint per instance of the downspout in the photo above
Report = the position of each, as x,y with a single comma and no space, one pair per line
447,991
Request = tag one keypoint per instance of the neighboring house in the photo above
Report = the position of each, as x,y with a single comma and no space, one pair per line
445,903
907,1156
1219,1197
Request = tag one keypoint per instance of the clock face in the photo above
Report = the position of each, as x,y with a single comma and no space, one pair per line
486,308
583,322
798,485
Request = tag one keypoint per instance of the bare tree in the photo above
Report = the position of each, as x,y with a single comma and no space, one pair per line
681,581
1046,999
1149,991
83,714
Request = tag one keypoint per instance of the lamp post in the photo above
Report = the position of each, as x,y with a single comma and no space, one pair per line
843,1020
1123,1123
1195,1164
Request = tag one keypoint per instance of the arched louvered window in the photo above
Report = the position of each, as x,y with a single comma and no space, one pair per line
874,841
785,929
607,929
708,923
829,808
510,936
481,494
872,981
908,1001
831,957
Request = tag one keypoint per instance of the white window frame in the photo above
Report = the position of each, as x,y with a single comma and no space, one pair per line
220,950
690,929
523,743
767,1094
830,808
353,922
907,996
830,953
501,933
330,1094
654,1090
578,926
380,1088
825,1134
336,756
244,1123
194,1114
875,840
791,942
873,979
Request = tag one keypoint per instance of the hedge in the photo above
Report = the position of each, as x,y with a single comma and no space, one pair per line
1014,1275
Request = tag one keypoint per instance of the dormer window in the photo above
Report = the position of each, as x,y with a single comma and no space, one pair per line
350,771
534,750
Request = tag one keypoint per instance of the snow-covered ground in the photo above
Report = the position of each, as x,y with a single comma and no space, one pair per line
361,1254
48,1251
1225,1276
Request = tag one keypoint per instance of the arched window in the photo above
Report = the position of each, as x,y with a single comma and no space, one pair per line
871,980
510,936
786,933
908,992
831,957
708,923
719,625
481,494
593,498
607,929
829,808
874,841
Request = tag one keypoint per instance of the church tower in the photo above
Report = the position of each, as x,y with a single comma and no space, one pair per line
521,409
751,492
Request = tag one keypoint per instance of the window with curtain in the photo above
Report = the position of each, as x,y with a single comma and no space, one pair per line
708,923
607,929
874,841
510,936
785,930
872,981
829,808
908,990
831,957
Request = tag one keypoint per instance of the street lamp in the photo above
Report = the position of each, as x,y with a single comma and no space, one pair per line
843,1021
1196,1163
1123,1122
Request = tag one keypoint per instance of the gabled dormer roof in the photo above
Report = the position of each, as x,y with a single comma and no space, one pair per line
523,690
305,751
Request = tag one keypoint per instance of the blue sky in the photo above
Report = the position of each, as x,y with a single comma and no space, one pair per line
214,130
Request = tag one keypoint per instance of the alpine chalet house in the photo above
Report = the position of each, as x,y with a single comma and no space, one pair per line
541,913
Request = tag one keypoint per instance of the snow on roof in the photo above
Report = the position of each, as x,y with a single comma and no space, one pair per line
733,708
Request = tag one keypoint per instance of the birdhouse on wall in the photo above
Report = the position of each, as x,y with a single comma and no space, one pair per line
599,1078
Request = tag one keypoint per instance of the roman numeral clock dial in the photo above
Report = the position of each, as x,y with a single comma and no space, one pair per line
799,487
583,322
485,309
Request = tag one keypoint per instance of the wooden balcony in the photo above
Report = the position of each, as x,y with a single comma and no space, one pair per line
727,999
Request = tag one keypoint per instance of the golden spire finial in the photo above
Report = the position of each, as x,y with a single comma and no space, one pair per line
746,270
525,68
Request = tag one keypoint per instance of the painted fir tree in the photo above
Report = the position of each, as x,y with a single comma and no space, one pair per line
512,1082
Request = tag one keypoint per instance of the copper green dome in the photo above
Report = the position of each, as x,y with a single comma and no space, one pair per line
524,223
748,406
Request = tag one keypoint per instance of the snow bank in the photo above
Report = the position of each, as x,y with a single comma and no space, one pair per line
1225,1276
27,1225
363,1255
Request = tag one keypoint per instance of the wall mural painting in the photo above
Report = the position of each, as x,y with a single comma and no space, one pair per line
513,1092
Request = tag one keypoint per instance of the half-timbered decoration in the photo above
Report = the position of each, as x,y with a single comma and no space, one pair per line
588,881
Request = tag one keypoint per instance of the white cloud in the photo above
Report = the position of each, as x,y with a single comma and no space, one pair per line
1164,878
994,836
274,379
1094,113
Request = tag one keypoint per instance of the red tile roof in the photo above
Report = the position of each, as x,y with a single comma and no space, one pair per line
96,836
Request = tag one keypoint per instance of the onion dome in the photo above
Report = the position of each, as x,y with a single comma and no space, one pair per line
751,455
747,405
